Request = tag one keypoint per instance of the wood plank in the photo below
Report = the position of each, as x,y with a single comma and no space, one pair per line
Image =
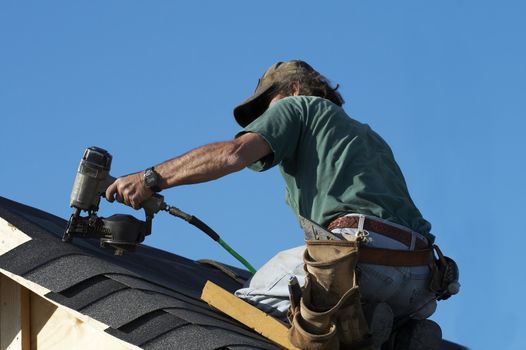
10,317
60,318
10,237
53,327
41,291
32,286
247,314
25,317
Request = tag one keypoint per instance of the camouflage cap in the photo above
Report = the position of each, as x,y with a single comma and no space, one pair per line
267,86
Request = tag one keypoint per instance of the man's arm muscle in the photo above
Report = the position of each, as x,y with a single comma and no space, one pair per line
213,161
202,164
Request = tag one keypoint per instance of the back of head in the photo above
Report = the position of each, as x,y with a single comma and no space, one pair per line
283,78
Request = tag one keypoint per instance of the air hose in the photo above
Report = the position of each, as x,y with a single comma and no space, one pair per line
210,232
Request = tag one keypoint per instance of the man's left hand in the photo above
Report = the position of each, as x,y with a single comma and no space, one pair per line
129,190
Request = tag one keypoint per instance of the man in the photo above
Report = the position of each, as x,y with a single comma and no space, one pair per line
339,174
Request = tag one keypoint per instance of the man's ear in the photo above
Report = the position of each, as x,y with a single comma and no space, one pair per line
294,88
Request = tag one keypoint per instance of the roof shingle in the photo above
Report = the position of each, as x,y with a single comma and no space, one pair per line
150,298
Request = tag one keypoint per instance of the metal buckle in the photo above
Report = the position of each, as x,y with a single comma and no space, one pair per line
362,235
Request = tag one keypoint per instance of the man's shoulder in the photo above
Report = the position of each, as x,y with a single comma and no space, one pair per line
316,112
312,106
308,100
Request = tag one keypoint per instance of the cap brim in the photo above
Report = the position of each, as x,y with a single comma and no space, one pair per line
254,106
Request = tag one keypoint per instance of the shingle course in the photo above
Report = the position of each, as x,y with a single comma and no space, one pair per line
149,298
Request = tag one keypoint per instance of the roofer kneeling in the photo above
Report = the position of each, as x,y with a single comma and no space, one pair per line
378,264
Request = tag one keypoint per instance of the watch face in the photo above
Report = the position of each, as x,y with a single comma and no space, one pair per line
150,178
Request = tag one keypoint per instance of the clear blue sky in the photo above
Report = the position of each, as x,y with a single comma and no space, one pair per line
443,82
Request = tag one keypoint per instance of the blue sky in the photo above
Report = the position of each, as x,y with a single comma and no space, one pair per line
443,82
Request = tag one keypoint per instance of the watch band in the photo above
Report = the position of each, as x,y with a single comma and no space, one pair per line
151,179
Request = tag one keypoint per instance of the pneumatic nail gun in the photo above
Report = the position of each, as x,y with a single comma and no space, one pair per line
119,232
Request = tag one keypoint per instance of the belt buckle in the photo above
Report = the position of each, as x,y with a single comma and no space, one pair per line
362,235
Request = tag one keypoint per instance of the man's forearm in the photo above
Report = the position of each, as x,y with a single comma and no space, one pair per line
213,161
202,164
205,163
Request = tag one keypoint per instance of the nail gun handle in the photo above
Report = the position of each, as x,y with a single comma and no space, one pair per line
153,205
105,184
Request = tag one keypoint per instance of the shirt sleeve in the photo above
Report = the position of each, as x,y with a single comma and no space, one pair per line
281,127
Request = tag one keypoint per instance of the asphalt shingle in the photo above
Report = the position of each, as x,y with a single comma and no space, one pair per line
150,298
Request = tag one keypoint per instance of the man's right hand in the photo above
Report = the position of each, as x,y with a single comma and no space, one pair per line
129,190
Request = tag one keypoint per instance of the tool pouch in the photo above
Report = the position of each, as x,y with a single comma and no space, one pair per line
444,276
330,312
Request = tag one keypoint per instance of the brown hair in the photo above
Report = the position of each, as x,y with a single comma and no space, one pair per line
310,83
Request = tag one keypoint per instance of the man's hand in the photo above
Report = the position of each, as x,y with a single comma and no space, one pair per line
129,190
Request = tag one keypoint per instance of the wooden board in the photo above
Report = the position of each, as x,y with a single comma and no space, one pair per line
25,317
10,315
247,314
54,328
50,325
10,237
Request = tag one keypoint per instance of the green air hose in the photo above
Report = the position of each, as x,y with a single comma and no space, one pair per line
210,232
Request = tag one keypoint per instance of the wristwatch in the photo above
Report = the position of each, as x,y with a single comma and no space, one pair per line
151,179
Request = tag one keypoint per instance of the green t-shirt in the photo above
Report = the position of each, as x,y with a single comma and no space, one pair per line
333,165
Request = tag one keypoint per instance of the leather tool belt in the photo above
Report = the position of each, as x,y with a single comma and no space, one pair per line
422,255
